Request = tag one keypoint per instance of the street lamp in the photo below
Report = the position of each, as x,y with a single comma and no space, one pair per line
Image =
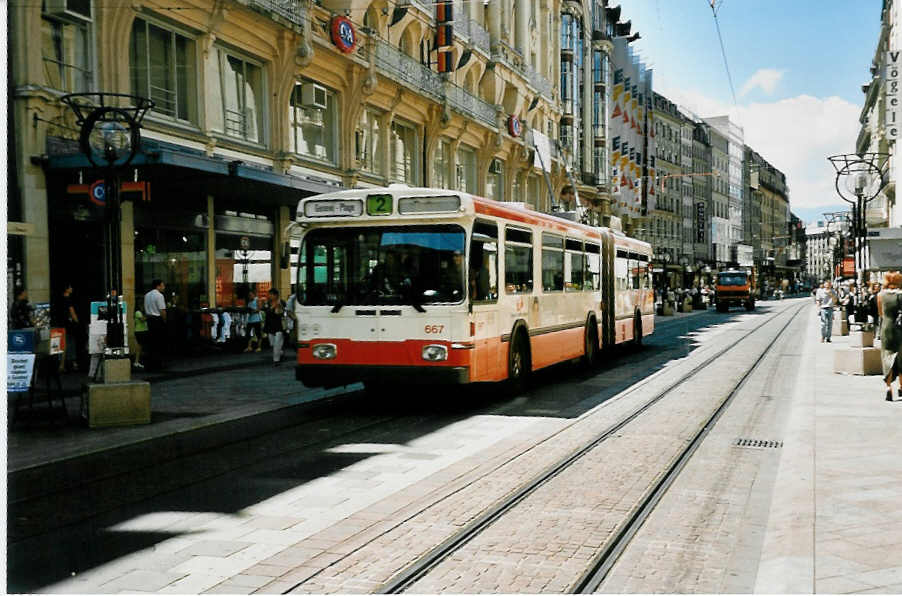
110,137
835,219
859,179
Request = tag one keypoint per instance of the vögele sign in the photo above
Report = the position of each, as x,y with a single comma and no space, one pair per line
892,94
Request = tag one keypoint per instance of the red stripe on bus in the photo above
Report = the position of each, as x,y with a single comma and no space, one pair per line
383,353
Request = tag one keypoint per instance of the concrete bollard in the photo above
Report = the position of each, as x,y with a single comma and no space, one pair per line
116,404
857,361
861,339
840,324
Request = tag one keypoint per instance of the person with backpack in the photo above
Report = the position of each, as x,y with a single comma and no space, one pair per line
274,324
889,306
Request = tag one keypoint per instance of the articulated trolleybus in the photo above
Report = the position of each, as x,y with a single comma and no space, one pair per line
423,286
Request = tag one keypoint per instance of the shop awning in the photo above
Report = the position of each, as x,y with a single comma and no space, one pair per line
161,153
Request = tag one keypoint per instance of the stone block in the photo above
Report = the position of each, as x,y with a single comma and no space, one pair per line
840,324
687,306
857,361
861,339
666,309
116,404
117,370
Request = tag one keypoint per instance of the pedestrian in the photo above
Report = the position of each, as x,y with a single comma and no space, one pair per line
826,299
21,313
254,324
67,318
274,324
140,335
155,313
889,306
291,322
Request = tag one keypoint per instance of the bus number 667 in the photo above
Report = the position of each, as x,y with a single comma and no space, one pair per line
434,328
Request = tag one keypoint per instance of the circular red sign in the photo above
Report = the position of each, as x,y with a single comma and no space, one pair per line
344,36
514,126
97,193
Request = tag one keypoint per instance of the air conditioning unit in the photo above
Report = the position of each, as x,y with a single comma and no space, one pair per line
73,9
313,96
495,167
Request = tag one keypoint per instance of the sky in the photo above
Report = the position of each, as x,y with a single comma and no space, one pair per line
797,68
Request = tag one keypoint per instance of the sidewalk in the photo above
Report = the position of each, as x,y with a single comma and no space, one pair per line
835,523
192,401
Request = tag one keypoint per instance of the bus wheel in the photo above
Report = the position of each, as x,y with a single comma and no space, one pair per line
590,359
637,331
518,365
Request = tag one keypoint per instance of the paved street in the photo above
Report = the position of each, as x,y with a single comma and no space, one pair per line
341,503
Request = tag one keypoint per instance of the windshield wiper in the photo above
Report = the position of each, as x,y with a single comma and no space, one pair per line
338,306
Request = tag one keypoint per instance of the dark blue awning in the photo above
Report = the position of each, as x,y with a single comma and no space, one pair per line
161,153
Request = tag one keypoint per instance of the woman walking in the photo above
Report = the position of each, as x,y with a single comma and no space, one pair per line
889,306
274,326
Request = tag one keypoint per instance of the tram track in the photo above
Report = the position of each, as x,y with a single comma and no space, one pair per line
602,563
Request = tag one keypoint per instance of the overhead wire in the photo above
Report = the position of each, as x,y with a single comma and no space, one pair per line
715,6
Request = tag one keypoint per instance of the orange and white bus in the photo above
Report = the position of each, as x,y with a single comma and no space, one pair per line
419,285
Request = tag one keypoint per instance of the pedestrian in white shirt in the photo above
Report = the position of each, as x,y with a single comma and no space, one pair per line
155,312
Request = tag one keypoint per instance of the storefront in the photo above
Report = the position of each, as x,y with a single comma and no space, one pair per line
207,227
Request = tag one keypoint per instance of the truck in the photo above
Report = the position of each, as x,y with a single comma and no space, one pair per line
734,288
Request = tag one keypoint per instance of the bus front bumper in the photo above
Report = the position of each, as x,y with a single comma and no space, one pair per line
335,375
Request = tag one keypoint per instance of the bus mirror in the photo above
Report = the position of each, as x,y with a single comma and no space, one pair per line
285,257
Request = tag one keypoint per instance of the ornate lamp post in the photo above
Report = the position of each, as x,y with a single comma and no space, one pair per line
835,220
110,138
859,179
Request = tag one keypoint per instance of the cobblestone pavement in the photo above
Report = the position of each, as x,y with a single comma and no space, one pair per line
547,542
352,528
706,533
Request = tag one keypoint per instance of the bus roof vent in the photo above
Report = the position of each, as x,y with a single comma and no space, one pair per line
616,224
398,185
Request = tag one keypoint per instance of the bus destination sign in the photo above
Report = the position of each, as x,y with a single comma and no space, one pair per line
333,208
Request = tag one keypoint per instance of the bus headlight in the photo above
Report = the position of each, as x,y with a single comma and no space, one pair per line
324,351
435,352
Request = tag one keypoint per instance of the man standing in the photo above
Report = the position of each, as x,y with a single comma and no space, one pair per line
155,313
826,299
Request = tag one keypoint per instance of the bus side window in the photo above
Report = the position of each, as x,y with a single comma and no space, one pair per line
483,269
574,267
621,271
517,261
552,263
593,266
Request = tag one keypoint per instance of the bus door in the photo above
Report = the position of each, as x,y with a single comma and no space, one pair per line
487,362
607,290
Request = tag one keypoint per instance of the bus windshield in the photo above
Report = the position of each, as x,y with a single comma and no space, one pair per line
732,279
421,264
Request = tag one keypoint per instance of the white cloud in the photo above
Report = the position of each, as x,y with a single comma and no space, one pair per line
795,135
765,78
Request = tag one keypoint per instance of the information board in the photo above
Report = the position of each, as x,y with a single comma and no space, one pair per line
19,371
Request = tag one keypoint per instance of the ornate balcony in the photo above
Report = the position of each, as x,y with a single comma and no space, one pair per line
539,82
398,66
468,104
401,67
293,11
473,32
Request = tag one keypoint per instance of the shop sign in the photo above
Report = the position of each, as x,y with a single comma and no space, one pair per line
700,222
892,93
848,266
514,126
344,36
19,370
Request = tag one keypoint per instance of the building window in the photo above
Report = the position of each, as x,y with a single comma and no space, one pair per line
466,169
314,123
65,51
369,143
494,181
403,145
441,162
240,92
162,67
177,256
